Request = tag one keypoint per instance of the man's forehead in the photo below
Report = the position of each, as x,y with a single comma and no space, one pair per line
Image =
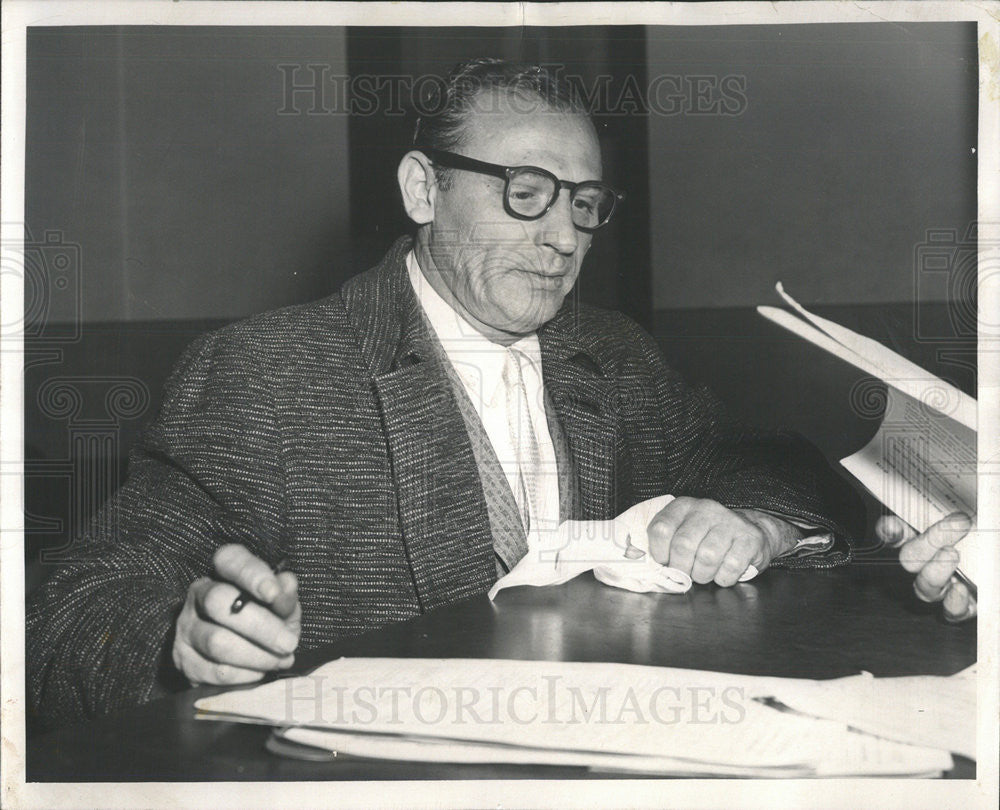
506,135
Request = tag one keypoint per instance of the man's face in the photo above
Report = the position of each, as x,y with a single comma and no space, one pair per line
506,275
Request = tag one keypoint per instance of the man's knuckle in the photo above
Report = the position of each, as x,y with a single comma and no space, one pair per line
661,528
732,564
928,591
181,652
217,600
658,530
270,637
197,589
215,644
186,627
682,544
911,557
742,541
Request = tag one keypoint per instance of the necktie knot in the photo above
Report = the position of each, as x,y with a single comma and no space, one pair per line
511,373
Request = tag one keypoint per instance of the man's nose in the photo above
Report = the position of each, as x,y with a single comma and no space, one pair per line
557,230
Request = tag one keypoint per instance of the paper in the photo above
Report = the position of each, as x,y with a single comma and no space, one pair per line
412,749
861,755
922,462
473,710
878,360
920,710
616,550
923,468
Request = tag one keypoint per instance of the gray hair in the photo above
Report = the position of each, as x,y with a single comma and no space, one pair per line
446,128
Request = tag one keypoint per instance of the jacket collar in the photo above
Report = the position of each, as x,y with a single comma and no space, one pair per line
383,308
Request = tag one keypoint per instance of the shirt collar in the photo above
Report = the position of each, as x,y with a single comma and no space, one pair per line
475,357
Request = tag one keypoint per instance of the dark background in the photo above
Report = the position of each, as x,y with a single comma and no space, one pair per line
176,181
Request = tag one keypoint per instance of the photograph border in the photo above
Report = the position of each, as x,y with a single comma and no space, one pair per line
19,15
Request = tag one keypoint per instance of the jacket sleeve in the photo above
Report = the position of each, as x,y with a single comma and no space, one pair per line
711,455
206,472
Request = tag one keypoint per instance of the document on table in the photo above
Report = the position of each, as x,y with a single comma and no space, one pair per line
923,710
862,755
922,462
601,715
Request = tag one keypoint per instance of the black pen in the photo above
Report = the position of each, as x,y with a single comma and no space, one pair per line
244,596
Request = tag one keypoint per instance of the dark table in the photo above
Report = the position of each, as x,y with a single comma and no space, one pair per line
808,624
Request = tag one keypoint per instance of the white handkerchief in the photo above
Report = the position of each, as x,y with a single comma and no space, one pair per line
617,551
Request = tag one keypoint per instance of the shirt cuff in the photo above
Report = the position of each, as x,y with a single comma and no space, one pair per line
816,539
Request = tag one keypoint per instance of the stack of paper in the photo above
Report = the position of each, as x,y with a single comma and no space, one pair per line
604,716
922,462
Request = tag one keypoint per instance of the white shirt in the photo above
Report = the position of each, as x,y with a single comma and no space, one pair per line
479,364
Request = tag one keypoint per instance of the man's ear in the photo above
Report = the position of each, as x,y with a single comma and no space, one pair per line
418,186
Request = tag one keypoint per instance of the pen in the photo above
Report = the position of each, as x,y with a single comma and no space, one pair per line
244,596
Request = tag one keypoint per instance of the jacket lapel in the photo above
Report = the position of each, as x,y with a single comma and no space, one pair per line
582,394
442,510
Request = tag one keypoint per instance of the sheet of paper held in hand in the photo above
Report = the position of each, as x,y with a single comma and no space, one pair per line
615,717
922,462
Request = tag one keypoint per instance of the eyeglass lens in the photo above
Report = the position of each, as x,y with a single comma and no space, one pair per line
529,193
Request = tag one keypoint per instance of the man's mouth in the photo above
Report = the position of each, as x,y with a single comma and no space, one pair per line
549,278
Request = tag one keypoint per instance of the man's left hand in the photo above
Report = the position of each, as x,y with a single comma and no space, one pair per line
703,538
932,558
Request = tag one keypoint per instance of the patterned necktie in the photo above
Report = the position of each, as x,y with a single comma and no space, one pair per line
522,439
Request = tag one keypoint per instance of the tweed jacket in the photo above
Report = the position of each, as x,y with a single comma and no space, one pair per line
329,434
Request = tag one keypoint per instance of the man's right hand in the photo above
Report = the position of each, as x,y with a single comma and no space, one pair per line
214,645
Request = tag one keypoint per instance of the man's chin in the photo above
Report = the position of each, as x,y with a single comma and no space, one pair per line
526,323
538,305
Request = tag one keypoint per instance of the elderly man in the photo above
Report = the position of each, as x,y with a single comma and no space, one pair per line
399,443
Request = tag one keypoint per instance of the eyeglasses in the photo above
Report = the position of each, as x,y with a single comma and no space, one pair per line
529,192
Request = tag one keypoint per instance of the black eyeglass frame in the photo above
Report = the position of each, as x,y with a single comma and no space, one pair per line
453,160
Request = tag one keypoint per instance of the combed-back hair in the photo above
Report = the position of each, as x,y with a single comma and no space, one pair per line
462,95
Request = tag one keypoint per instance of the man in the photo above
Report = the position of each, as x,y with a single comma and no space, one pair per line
400,443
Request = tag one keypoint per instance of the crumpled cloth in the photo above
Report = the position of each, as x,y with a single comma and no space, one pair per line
617,551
